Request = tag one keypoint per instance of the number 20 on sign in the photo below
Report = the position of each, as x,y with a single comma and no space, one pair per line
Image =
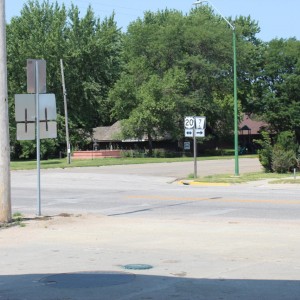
189,122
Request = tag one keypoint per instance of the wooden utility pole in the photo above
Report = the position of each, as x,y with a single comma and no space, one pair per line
5,202
66,112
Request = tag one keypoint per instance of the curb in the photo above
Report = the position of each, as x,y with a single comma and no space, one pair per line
196,183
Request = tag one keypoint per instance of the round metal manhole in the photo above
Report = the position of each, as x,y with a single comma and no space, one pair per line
137,267
87,279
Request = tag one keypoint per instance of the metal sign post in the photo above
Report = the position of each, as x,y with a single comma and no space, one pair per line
38,152
195,127
195,153
35,114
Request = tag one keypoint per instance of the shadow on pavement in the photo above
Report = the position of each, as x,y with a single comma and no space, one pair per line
124,285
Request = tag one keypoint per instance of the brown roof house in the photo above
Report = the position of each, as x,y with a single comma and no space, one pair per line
110,137
249,130
104,143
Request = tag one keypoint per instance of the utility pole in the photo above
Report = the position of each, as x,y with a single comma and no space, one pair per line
5,201
66,112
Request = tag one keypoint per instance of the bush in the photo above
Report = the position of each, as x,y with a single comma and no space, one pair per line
133,153
286,140
280,158
266,152
159,153
283,161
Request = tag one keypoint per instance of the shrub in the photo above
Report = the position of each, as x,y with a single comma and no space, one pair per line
266,152
159,153
286,140
133,153
283,161
280,158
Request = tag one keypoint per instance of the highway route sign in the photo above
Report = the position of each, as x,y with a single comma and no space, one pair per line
200,122
189,122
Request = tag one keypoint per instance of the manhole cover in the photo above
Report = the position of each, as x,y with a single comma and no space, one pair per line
137,267
87,279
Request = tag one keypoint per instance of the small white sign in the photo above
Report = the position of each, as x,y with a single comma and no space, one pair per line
188,133
25,107
200,122
199,133
189,122
187,146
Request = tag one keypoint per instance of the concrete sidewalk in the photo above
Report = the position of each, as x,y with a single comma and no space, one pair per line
83,257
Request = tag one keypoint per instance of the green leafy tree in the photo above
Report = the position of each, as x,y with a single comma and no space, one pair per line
200,46
37,33
90,50
279,86
158,107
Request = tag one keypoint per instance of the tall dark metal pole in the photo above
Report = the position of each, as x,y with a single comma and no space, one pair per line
5,194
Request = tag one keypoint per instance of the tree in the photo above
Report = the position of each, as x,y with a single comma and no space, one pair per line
158,107
38,33
90,50
199,45
279,86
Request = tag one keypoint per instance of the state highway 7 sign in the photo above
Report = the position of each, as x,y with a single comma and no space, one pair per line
200,122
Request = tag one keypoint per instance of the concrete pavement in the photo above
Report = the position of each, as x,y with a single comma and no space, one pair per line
83,257
211,254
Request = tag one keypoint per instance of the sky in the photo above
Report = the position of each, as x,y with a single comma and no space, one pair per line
276,18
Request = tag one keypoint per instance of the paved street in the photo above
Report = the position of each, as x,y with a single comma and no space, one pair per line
152,190
202,242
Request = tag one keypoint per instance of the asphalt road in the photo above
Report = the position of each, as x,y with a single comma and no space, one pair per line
202,242
148,190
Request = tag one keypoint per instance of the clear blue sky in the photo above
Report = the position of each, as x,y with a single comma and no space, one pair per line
277,18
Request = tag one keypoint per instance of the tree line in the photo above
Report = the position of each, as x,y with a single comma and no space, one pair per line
167,65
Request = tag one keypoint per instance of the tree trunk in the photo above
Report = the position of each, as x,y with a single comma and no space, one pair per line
150,144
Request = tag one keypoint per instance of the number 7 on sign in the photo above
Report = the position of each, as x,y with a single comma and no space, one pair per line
200,122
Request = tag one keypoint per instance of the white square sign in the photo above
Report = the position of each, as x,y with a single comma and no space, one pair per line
188,133
199,133
200,122
189,122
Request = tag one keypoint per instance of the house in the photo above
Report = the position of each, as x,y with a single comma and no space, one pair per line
110,137
250,130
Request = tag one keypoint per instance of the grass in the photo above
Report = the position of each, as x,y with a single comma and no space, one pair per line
62,163
243,178
17,220
221,178
286,180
